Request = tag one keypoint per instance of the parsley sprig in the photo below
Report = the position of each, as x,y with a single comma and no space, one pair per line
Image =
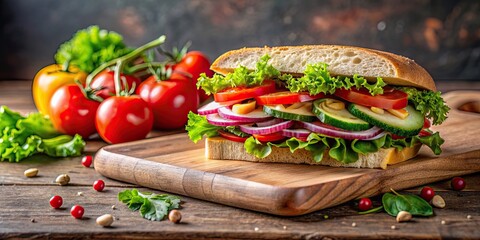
152,206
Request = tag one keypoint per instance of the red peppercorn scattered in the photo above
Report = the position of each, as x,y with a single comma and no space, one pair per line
77,211
87,161
99,185
365,204
458,183
427,193
56,201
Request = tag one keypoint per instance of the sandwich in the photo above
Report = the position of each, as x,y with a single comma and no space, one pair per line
329,105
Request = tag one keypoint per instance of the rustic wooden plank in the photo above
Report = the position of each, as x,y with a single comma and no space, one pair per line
208,220
174,164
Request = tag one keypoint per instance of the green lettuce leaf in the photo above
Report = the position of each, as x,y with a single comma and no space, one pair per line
198,126
317,79
23,137
91,47
241,76
63,146
152,206
429,103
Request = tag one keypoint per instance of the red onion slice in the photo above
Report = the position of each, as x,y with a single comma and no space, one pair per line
376,137
213,107
297,133
266,130
256,115
216,120
322,128
269,122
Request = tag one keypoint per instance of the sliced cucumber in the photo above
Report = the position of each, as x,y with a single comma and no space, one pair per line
301,111
340,118
410,126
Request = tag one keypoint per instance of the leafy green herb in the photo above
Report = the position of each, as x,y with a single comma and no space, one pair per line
429,103
413,204
317,79
25,136
91,47
152,206
198,126
240,77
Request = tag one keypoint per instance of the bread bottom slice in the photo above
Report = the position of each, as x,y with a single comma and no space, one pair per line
221,149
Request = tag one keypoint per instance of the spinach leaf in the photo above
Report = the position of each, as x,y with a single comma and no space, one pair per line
413,204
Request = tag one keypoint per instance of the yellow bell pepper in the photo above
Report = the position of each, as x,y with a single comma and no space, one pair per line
49,79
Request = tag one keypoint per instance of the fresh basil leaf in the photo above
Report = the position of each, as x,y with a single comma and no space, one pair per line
413,204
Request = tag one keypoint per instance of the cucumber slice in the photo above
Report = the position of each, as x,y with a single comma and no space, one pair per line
407,127
338,118
301,111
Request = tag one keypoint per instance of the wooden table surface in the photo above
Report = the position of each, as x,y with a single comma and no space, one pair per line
25,210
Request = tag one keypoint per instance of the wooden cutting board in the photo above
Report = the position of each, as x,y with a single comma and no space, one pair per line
175,164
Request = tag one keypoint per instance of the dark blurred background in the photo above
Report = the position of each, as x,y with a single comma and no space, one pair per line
443,36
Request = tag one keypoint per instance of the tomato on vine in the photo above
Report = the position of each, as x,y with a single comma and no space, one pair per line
72,111
104,83
171,96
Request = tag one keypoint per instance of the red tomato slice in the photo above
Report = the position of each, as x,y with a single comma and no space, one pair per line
424,133
269,137
231,136
286,97
390,99
426,123
241,93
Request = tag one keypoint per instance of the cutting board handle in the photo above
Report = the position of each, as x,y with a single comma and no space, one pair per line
467,102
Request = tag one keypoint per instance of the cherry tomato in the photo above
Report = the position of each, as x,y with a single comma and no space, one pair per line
365,204
286,97
231,136
390,99
87,161
56,201
458,183
77,211
269,137
71,112
195,63
99,185
427,193
104,81
170,100
240,93
123,119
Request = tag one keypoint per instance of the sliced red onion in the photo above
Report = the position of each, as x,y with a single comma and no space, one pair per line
216,120
376,137
297,133
269,122
256,115
322,128
266,130
213,107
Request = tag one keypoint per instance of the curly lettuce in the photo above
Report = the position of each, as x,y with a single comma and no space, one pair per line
91,47
317,79
240,77
22,137
429,103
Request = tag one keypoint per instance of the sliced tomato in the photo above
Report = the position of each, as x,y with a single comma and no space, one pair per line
231,136
426,123
269,137
424,133
390,99
241,93
286,97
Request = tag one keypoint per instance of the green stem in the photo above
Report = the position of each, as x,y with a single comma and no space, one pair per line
144,66
65,66
373,210
126,58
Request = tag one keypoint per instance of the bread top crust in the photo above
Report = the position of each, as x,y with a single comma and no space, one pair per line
342,61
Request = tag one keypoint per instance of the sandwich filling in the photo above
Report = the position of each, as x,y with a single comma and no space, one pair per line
339,115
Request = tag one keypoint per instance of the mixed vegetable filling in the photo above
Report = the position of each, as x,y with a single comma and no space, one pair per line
316,112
